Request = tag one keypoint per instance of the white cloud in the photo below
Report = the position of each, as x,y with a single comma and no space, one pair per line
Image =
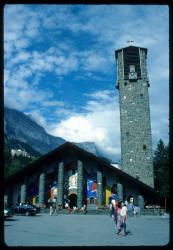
37,117
15,22
94,61
103,95
62,113
21,57
53,103
79,129
24,72
99,124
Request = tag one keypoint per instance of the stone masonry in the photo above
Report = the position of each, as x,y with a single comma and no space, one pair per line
135,126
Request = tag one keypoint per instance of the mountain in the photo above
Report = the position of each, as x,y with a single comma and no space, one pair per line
21,127
88,146
24,133
15,144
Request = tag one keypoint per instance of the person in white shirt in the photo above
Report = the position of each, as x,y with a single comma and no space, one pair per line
123,217
113,204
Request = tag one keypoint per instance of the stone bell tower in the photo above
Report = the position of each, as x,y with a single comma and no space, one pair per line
135,126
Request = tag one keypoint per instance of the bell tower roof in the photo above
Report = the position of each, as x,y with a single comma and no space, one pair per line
129,48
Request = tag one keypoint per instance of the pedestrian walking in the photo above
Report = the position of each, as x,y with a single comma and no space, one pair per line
50,202
83,209
54,205
114,201
123,217
117,218
130,206
66,204
113,205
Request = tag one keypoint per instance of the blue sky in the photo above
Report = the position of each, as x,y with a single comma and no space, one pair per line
60,67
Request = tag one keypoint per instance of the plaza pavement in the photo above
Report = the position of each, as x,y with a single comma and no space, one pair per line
84,230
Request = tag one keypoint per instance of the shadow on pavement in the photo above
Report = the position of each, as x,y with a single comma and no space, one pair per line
10,219
129,233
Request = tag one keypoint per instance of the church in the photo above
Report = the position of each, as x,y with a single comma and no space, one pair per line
71,173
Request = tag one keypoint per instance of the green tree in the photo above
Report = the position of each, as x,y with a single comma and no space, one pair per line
161,170
17,163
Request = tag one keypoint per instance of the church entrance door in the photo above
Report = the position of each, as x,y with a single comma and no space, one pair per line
72,200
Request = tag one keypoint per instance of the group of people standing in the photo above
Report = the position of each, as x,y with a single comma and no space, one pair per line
53,207
119,213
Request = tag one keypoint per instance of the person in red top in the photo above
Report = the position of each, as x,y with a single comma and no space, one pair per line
117,216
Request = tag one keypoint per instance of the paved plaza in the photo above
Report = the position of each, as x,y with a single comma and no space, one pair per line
84,230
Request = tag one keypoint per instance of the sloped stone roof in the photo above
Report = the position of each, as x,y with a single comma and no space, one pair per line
81,152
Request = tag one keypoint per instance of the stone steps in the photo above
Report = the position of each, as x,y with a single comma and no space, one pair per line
150,211
89,211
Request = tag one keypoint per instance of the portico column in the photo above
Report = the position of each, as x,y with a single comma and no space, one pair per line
8,197
120,191
42,189
99,188
6,200
23,193
60,183
79,184
140,201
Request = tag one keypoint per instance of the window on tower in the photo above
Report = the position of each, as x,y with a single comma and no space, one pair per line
144,147
131,57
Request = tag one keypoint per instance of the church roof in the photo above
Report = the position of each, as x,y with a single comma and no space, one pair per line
67,147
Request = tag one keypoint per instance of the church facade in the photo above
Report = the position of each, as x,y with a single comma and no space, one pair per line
73,174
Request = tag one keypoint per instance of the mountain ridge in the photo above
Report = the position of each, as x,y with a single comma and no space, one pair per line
22,128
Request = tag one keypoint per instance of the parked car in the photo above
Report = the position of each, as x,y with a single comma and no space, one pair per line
26,209
37,208
7,213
